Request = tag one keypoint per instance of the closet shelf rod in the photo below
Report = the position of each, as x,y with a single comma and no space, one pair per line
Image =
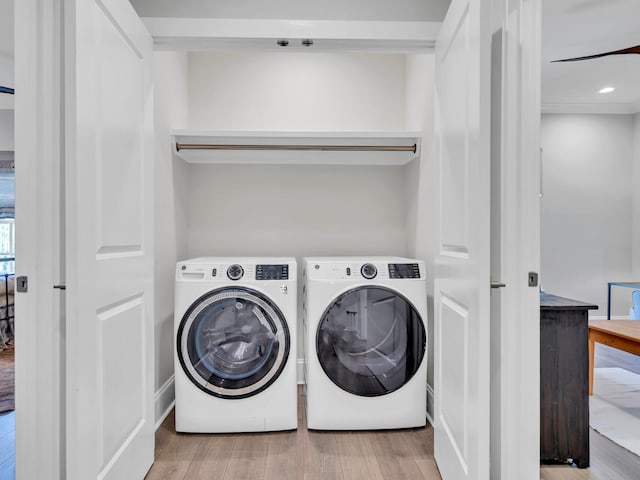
331,148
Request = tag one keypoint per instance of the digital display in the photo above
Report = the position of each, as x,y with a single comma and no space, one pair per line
404,270
272,272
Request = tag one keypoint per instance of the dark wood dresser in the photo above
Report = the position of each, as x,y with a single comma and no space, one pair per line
564,380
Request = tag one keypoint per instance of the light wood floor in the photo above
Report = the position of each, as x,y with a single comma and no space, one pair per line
328,455
301,454
608,462
311,455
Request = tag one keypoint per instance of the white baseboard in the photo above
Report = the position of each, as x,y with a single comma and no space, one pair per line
164,401
430,404
604,317
300,371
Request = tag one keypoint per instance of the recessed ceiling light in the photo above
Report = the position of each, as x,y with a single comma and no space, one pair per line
607,90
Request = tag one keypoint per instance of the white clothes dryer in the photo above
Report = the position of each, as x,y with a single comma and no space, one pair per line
235,344
365,336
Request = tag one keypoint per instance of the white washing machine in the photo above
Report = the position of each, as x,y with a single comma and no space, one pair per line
235,334
365,336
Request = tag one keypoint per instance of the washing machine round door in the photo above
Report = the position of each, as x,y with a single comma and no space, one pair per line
233,342
371,341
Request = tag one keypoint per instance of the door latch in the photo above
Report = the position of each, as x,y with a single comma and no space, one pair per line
22,284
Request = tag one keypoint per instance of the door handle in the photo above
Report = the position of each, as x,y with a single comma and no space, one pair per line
498,285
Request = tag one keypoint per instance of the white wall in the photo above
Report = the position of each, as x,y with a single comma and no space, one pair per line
6,73
296,91
635,182
419,173
7,70
6,130
587,207
296,210
170,111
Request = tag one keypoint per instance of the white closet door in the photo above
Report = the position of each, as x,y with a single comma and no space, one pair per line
109,244
462,260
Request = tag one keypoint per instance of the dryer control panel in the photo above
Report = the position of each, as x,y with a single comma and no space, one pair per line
272,272
404,270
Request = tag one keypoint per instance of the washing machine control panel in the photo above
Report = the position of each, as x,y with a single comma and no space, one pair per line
404,270
235,272
272,272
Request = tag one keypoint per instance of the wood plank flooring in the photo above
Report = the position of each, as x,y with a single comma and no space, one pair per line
329,455
314,455
608,462
296,455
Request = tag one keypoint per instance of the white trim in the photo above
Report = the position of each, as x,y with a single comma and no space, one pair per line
164,400
430,398
211,33
515,330
300,371
40,369
590,108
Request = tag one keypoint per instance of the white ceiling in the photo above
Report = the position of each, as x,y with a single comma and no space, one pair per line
569,28
573,28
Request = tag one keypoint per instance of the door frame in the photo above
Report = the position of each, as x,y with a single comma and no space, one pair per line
515,331
40,415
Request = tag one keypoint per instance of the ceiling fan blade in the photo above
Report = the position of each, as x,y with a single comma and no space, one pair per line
624,51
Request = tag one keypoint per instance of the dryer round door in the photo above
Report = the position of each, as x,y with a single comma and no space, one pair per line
233,342
371,341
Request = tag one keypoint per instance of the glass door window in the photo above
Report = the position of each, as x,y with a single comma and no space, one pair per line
371,341
233,342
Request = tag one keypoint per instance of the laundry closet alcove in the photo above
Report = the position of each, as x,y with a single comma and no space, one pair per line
363,191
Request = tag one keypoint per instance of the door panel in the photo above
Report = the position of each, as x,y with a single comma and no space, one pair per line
109,214
461,280
453,372
453,155
122,408
119,140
